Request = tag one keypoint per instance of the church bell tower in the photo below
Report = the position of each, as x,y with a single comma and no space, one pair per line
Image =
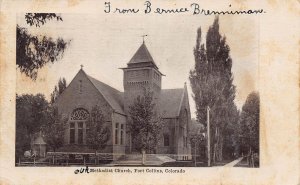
141,72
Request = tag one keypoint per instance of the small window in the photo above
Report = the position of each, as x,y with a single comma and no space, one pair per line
72,133
185,141
117,134
166,140
80,132
121,134
80,86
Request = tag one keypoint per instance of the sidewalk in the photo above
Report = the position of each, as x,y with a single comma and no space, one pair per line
231,164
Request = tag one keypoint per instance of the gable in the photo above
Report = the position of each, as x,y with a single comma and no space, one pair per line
72,98
170,102
94,92
173,101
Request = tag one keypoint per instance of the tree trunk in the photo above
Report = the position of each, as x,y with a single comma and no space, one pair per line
218,146
248,157
195,155
215,152
143,157
54,156
220,150
252,159
31,142
96,158
130,144
215,155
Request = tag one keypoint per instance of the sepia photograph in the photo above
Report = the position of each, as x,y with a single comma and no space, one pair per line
164,92
136,92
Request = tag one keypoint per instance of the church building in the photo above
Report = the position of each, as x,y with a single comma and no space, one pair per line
85,92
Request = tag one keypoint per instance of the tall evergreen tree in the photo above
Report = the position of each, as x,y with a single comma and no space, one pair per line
58,89
144,125
249,124
211,82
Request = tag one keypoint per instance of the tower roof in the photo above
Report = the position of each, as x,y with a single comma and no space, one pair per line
142,56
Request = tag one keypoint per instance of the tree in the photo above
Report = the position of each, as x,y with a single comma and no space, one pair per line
144,125
22,141
211,82
58,89
249,123
30,115
98,132
34,52
54,128
31,111
196,138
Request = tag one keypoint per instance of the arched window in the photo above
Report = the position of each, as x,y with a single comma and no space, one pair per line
79,114
78,126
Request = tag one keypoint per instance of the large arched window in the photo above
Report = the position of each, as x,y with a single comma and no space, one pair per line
77,123
79,114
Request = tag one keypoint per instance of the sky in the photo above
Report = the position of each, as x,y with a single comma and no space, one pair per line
103,43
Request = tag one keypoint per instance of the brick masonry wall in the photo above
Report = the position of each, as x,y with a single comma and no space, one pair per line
119,149
88,97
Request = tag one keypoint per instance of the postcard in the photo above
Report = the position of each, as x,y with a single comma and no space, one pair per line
149,92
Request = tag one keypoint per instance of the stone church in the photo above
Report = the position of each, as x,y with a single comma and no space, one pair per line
84,92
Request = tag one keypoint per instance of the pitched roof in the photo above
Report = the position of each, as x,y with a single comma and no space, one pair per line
142,55
170,102
111,95
39,140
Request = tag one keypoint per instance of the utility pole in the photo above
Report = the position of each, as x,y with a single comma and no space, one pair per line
208,137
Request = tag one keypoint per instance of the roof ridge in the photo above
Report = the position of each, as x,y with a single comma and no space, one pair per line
115,102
